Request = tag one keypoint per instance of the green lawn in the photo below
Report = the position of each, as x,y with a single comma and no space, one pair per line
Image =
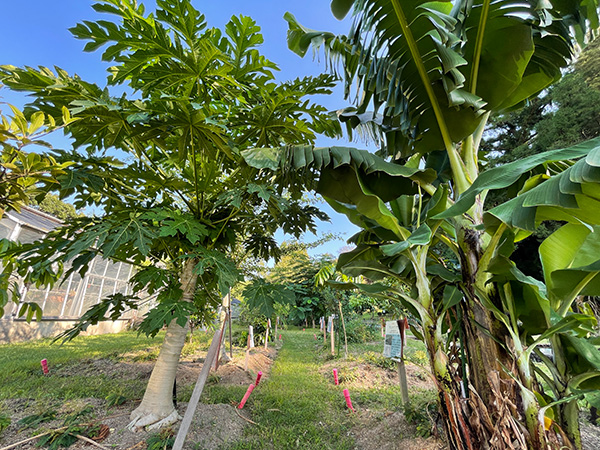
297,407
21,373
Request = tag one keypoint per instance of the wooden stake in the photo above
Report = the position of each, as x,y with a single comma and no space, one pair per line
267,336
191,409
276,324
344,327
403,383
324,331
247,354
331,334
220,342
230,341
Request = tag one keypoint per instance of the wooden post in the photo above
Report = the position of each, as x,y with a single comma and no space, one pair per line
331,334
324,331
191,409
403,383
230,339
276,324
402,327
267,334
247,354
344,328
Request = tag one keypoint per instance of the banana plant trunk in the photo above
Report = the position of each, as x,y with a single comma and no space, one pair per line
157,409
501,404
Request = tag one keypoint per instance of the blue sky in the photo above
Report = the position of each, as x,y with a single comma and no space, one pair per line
35,32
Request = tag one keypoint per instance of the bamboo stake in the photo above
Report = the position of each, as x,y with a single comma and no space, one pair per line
16,444
90,441
344,327
222,332
191,408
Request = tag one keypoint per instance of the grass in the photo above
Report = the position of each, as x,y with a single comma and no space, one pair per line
297,408
21,375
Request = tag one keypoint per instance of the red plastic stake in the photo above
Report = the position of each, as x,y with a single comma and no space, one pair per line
246,395
44,363
335,377
258,375
348,401
279,337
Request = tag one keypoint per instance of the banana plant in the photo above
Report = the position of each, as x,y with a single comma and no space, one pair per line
428,75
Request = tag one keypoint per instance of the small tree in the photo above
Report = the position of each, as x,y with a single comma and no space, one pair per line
185,197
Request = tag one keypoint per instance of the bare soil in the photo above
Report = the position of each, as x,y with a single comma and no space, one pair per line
206,432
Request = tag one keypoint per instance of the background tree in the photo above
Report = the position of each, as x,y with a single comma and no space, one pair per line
564,114
51,204
195,97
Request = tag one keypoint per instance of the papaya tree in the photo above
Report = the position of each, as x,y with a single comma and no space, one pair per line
162,166
429,75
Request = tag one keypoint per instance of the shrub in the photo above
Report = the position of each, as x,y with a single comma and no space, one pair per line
359,331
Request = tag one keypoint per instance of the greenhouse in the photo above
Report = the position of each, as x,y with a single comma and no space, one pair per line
70,298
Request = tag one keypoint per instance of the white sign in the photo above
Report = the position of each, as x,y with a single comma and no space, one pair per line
392,345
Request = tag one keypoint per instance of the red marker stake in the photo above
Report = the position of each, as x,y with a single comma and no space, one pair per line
44,363
246,395
258,375
279,337
348,401
335,377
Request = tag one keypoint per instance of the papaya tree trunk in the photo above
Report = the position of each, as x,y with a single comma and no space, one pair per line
157,409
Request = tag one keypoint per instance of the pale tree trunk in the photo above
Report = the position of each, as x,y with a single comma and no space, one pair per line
223,358
157,409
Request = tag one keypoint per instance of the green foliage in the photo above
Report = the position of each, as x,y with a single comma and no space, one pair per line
34,420
421,412
358,330
5,422
262,296
67,437
182,194
162,440
453,65
115,399
51,204
25,174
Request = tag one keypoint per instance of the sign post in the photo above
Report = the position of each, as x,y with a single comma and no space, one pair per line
393,347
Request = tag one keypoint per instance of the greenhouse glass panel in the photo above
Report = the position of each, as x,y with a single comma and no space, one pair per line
55,301
6,228
112,271
90,298
34,295
99,266
28,235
